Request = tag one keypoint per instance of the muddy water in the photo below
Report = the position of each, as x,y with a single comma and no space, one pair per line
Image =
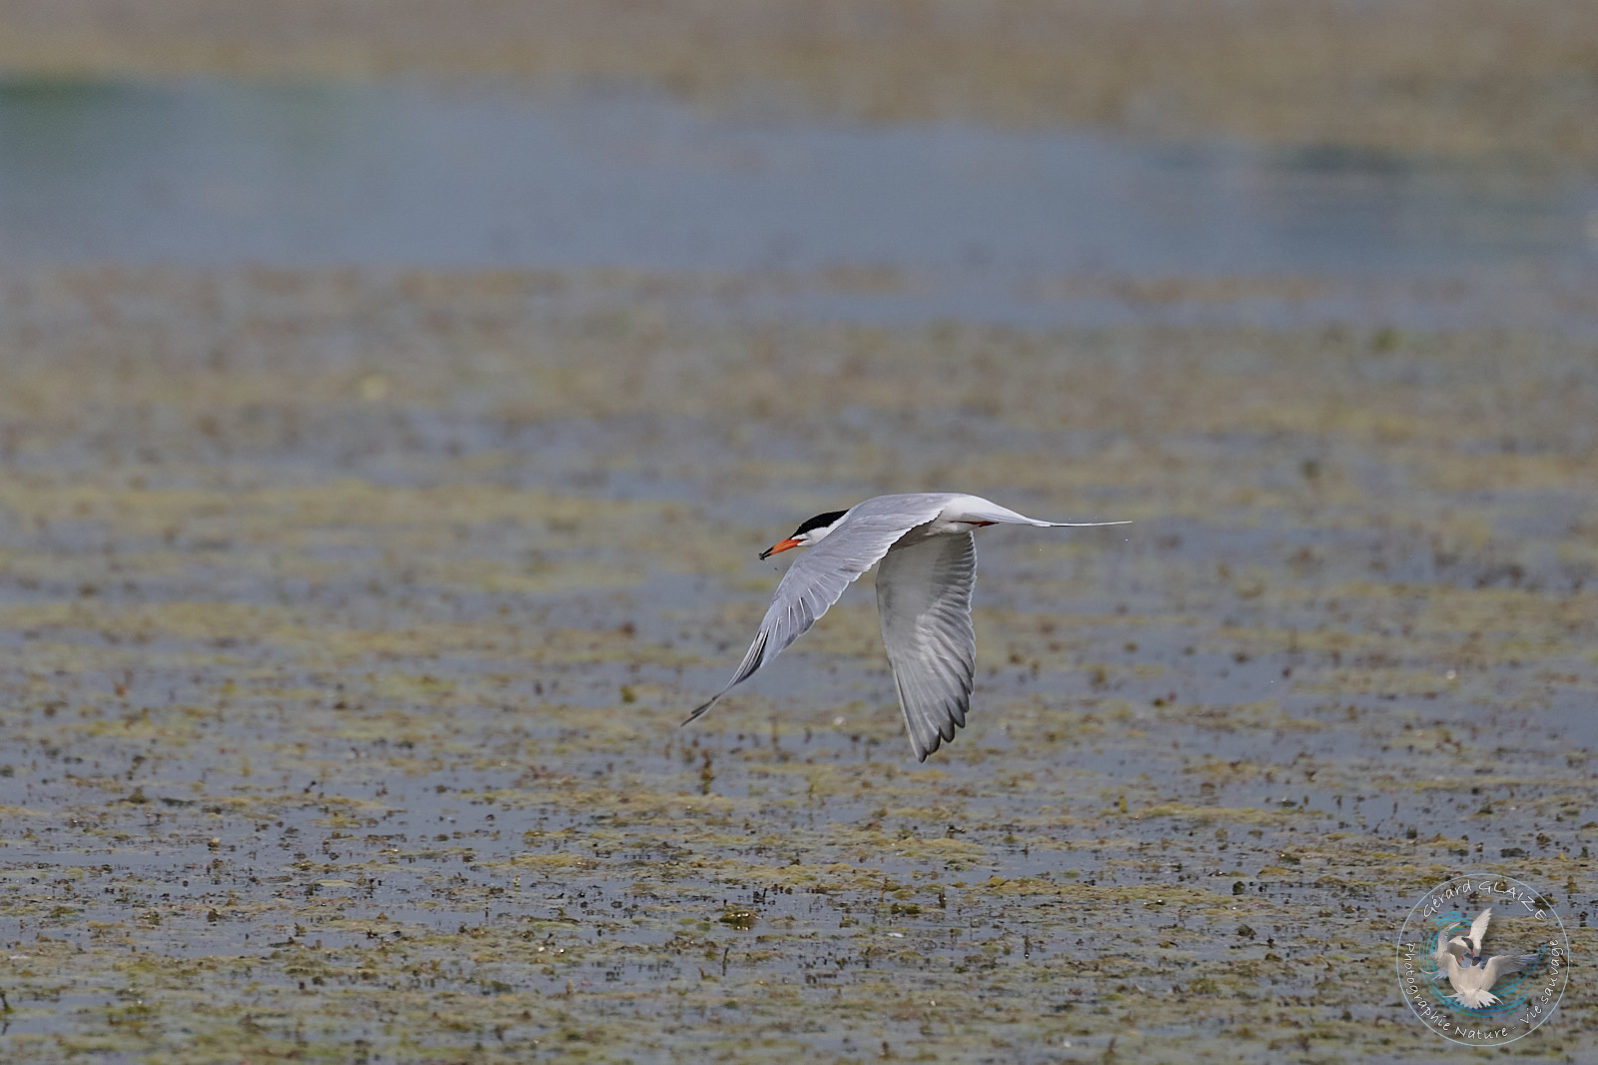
348,615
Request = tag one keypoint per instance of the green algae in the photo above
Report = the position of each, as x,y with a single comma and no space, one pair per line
332,753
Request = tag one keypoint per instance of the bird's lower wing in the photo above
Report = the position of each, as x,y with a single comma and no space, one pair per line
924,598
1503,965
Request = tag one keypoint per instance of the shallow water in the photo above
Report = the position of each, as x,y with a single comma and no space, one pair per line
946,220
348,615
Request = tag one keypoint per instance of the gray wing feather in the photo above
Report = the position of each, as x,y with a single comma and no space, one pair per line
924,599
1502,965
818,577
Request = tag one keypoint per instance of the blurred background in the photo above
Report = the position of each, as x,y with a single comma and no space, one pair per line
980,157
394,397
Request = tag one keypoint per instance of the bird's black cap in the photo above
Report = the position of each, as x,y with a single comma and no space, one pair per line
820,521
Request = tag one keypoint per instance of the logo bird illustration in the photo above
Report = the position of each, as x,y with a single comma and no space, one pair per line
1471,973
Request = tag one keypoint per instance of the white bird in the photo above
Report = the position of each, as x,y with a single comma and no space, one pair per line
926,561
1471,975
1478,931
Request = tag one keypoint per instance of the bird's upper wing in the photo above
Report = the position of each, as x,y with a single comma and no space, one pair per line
924,599
1478,929
819,576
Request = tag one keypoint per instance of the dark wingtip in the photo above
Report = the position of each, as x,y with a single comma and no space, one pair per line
698,710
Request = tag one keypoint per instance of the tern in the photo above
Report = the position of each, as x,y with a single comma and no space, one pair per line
925,554
1471,975
1471,944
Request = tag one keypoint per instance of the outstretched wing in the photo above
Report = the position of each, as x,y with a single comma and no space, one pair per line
1507,965
1478,929
819,576
924,599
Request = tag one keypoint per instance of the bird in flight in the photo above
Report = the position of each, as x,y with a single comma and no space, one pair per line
925,554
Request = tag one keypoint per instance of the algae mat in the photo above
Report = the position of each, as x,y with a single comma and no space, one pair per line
347,620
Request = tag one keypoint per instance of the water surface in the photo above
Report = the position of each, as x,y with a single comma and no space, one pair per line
366,535
966,219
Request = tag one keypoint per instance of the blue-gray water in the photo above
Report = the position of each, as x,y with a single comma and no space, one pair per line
208,171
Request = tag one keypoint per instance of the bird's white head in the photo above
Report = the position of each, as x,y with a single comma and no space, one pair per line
810,532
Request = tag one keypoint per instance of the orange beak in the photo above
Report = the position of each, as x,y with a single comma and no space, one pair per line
779,547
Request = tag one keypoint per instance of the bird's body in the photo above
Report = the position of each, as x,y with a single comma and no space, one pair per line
925,556
1471,975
